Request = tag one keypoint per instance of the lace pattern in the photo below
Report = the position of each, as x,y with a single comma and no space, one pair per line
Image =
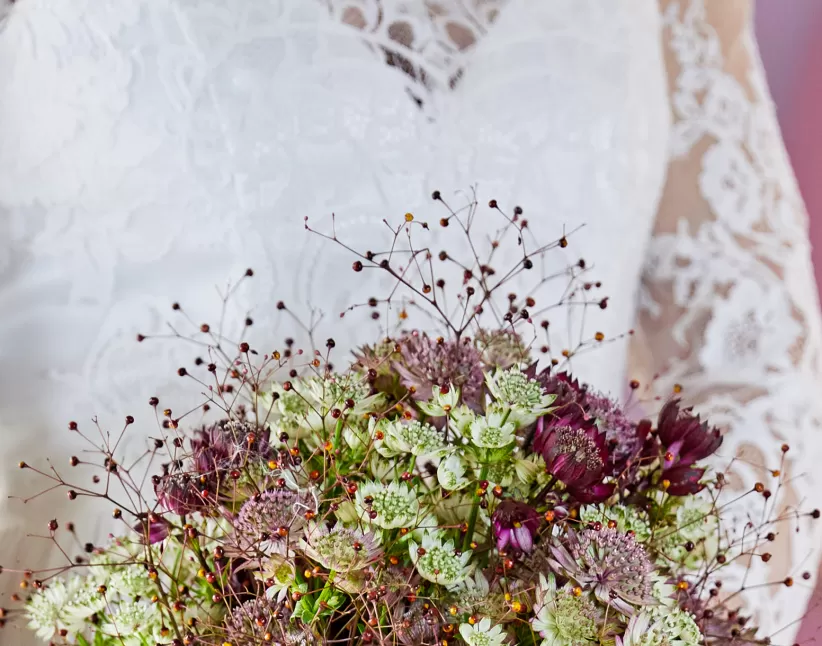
729,305
425,39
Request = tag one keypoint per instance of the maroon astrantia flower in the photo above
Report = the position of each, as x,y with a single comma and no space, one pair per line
229,443
178,493
425,363
685,439
563,386
515,524
152,529
575,453
622,437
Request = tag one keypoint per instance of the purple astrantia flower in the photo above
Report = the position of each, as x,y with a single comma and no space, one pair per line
153,529
425,363
515,524
178,493
273,516
261,621
685,440
623,437
229,443
574,452
609,563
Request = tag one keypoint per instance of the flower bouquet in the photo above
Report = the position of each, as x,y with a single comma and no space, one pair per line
445,488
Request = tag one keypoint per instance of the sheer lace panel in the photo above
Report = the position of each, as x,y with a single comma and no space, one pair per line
729,309
423,38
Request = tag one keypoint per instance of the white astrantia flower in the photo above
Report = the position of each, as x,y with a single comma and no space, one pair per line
132,621
307,403
481,634
340,548
437,560
45,610
526,398
409,438
130,580
500,473
441,403
471,592
279,573
627,519
694,519
663,626
451,473
85,602
527,469
395,504
459,422
494,431
562,618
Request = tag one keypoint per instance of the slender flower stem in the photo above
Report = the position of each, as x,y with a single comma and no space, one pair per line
338,433
545,490
326,592
472,520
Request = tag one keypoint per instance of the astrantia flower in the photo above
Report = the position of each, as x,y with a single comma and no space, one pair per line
272,517
472,591
229,443
515,524
621,434
685,440
130,580
306,404
85,602
178,493
482,634
444,400
609,563
341,549
278,573
623,437
492,431
425,363
261,621
417,625
409,438
45,610
695,521
628,518
393,505
575,454
131,621
437,560
563,618
663,627
451,473
524,396
501,349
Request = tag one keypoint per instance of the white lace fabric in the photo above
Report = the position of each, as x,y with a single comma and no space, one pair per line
150,151
730,312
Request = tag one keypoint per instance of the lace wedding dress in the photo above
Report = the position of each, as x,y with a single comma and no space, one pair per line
151,151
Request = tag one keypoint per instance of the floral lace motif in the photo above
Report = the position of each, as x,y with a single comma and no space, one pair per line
423,38
729,302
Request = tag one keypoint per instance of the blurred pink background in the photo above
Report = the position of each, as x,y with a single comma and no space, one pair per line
788,32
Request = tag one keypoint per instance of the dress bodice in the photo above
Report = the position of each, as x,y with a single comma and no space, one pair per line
151,152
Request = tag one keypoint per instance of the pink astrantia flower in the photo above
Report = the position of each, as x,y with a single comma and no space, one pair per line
515,524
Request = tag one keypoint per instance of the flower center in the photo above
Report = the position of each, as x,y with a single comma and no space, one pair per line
582,449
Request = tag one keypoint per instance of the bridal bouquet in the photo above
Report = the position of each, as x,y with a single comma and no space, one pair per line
445,488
